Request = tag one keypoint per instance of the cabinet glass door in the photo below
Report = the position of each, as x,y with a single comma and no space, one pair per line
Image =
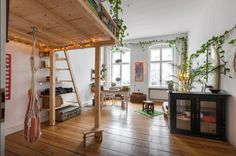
208,117
183,114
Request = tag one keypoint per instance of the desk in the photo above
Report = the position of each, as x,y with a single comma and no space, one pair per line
126,95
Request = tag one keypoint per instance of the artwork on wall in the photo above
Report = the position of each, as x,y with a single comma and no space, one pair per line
139,71
8,77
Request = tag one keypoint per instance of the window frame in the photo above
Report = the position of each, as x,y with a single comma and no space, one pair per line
120,65
159,46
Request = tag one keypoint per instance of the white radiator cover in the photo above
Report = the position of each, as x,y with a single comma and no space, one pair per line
158,94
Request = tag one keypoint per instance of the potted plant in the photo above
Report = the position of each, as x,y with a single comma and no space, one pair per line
92,86
113,84
170,85
191,75
125,88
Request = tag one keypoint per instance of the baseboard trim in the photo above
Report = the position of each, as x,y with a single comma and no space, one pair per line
19,127
43,118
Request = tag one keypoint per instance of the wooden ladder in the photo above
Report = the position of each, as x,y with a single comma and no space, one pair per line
52,112
73,80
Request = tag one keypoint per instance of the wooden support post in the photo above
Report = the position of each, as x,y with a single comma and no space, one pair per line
52,113
97,87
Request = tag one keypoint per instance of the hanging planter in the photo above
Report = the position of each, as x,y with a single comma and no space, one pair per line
115,11
118,61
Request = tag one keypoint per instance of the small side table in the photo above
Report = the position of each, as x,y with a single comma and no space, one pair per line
148,106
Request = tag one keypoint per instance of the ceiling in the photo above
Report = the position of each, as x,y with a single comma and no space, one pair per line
148,18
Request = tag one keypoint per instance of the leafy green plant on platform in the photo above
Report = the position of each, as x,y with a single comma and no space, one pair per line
189,75
116,11
187,78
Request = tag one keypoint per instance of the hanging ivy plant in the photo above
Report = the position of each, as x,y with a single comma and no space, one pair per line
172,43
116,11
233,41
218,42
199,74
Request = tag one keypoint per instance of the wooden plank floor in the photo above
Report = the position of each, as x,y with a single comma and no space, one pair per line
130,134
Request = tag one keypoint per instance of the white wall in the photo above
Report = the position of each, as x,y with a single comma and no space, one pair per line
21,82
215,19
82,63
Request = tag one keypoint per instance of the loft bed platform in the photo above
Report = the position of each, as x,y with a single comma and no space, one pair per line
62,24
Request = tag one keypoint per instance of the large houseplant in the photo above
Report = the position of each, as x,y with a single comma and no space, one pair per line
191,74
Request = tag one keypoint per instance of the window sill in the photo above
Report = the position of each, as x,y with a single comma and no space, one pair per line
158,87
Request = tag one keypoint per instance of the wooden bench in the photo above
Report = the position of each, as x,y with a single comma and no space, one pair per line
97,133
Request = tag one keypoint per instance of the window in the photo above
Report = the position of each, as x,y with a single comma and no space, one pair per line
120,67
161,69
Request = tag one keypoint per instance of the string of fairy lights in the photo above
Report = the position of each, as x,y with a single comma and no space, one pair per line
45,48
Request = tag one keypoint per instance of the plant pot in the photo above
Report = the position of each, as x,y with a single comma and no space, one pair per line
93,89
170,86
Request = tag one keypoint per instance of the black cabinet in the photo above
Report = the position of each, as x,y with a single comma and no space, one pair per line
198,114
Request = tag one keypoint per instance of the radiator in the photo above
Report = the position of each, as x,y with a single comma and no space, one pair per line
158,94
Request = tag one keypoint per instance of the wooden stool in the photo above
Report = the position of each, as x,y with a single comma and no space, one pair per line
148,106
97,133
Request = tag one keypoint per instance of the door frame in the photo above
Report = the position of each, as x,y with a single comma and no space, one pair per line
3,30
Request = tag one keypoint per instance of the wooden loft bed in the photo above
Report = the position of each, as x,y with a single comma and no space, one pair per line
62,25
69,24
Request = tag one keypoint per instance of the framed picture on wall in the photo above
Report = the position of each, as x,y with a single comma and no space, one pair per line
139,71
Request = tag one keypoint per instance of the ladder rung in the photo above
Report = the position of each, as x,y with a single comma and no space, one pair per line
44,81
44,67
61,59
64,105
68,93
61,69
64,81
72,101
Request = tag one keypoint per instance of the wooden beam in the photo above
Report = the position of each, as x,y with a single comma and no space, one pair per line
86,45
52,113
97,112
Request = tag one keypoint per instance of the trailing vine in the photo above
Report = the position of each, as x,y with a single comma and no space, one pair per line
233,41
218,42
199,74
171,43
116,11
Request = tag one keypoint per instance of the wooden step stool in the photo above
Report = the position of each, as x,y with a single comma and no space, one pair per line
148,106
97,133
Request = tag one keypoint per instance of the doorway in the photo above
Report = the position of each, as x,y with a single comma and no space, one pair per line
3,31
